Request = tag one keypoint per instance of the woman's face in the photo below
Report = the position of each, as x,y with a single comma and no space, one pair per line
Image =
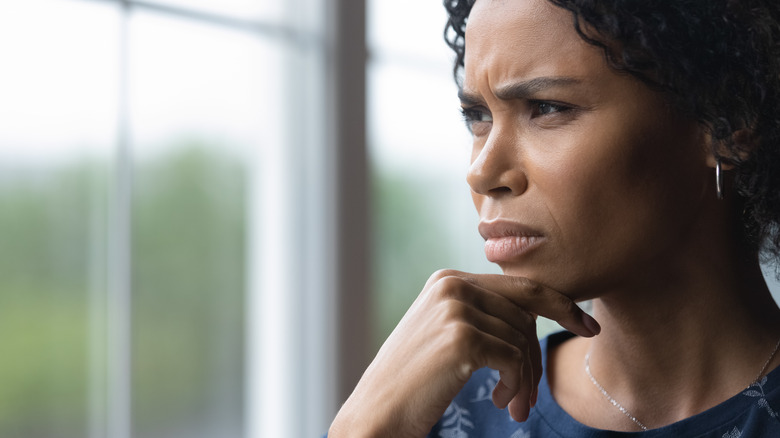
584,179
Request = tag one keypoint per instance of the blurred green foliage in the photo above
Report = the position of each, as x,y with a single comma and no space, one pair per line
187,283
44,285
409,242
189,258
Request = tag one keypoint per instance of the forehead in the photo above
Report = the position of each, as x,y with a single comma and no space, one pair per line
510,40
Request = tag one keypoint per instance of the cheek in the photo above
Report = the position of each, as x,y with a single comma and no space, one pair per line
633,163
577,192
621,197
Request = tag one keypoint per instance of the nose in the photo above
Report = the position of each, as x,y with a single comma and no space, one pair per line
497,169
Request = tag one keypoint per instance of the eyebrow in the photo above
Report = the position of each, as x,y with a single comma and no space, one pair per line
521,90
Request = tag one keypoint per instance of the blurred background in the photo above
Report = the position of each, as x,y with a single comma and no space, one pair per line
213,212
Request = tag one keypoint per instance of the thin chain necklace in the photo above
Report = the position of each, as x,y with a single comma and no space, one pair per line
609,397
625,412
766,364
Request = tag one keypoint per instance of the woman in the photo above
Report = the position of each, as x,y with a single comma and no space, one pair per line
605,135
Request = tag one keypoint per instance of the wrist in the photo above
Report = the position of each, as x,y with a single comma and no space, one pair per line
351,428
365,423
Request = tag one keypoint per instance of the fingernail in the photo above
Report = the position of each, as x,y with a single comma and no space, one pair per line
591,324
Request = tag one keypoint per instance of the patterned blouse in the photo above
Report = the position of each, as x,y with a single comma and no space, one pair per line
754,413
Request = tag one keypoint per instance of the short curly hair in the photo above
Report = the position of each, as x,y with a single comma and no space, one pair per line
718,61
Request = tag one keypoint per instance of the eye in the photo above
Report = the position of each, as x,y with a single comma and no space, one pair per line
477,120
543,108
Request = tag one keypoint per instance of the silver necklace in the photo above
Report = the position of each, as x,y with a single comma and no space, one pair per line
609,397
625,412
766,364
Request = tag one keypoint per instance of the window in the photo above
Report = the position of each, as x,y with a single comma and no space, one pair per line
164,212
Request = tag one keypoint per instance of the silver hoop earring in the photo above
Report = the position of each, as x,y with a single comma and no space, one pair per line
718,180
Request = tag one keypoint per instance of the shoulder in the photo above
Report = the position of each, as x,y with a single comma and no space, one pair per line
762,416
754,413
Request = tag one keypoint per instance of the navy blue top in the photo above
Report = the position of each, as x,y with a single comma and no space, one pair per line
755,412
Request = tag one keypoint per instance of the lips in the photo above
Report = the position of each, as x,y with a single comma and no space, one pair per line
507,241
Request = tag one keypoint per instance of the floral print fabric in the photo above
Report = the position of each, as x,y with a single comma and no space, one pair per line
754,413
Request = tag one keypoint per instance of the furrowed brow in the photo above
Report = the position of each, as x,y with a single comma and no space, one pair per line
526,89
520,90
469,99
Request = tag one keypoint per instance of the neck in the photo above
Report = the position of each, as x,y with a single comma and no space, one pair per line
707,336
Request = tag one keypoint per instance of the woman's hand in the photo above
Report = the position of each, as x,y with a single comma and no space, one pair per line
458,324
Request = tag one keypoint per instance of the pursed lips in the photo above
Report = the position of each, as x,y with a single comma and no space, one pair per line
507,241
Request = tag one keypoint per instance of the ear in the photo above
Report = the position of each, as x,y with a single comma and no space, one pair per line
744,142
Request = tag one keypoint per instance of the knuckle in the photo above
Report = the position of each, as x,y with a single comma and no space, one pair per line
442,273
534,289
530,288
463,334
451,287
453,311
527,324
517,356
569,307
466,368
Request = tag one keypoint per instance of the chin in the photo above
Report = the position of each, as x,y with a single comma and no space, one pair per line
577,291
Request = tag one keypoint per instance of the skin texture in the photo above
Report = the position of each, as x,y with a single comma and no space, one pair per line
612,177
617,191
460,322
621,189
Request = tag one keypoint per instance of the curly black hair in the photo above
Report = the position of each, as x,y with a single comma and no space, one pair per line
717,60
